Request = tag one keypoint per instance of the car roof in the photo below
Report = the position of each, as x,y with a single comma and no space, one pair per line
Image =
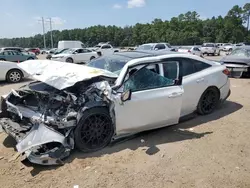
140,54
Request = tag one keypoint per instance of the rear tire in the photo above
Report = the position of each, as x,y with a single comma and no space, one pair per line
2,59
94,130
14,76
30,58
208,101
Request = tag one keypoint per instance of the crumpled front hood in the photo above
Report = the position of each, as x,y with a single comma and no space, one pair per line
235,59
61,75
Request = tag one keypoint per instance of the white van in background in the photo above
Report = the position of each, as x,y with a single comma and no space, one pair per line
70,44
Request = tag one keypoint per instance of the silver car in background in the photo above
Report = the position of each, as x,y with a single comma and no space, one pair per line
191,50
210,49
238,62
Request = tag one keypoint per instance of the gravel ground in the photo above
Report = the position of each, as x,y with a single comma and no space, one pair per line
207,151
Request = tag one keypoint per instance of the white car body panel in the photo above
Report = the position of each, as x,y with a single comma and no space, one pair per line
191,51
150,110
199,82
5,66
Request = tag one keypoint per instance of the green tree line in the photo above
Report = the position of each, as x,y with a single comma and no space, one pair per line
186,29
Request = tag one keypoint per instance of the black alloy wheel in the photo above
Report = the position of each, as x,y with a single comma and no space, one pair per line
94,130
208,101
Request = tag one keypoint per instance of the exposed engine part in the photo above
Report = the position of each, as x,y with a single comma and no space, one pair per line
42,120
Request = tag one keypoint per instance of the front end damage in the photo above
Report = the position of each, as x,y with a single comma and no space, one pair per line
42,118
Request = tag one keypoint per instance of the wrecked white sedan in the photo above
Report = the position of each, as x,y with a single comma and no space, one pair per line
73,106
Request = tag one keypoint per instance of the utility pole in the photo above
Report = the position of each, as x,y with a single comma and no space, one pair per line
44,39
248,21
51,32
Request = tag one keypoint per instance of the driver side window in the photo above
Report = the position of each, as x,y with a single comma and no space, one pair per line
145,79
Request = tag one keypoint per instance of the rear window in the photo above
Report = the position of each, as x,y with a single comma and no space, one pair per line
208,45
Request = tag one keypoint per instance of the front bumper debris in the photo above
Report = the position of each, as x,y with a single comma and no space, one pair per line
40,144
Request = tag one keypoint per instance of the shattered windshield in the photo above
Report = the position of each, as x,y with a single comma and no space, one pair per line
113,64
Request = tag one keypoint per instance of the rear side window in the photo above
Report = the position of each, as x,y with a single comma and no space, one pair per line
160,46
190,66
199,66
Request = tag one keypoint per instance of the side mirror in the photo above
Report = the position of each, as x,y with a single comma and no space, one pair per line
126,95
156,49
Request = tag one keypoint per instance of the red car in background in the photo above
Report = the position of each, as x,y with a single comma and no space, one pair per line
34,50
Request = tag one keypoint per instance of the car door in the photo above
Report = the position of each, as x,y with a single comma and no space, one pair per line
196,51
78,56
195,82
155,100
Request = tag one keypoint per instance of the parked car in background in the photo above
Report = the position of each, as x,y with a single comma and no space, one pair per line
9,71
191,50
104,49
15,56
44,50
238,62
228,47
155,46
242,44
34,50
210,49
51,51
57,51
19,49
75,55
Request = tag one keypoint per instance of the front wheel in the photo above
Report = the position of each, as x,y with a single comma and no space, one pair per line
208,101
93,57
95,130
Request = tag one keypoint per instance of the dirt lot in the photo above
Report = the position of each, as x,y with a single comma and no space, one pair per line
207,151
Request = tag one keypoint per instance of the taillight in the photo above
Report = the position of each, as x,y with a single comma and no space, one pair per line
226,72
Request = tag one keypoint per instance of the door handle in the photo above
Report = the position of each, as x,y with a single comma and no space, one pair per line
200,80
175,94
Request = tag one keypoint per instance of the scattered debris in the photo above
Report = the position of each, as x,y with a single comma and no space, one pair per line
76,186
142,141
22,167
15,157
87,167
191,129
237,167
162,155
1,157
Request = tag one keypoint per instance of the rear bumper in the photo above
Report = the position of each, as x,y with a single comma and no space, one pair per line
225,91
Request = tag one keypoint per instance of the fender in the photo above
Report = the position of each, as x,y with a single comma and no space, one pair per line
89,105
